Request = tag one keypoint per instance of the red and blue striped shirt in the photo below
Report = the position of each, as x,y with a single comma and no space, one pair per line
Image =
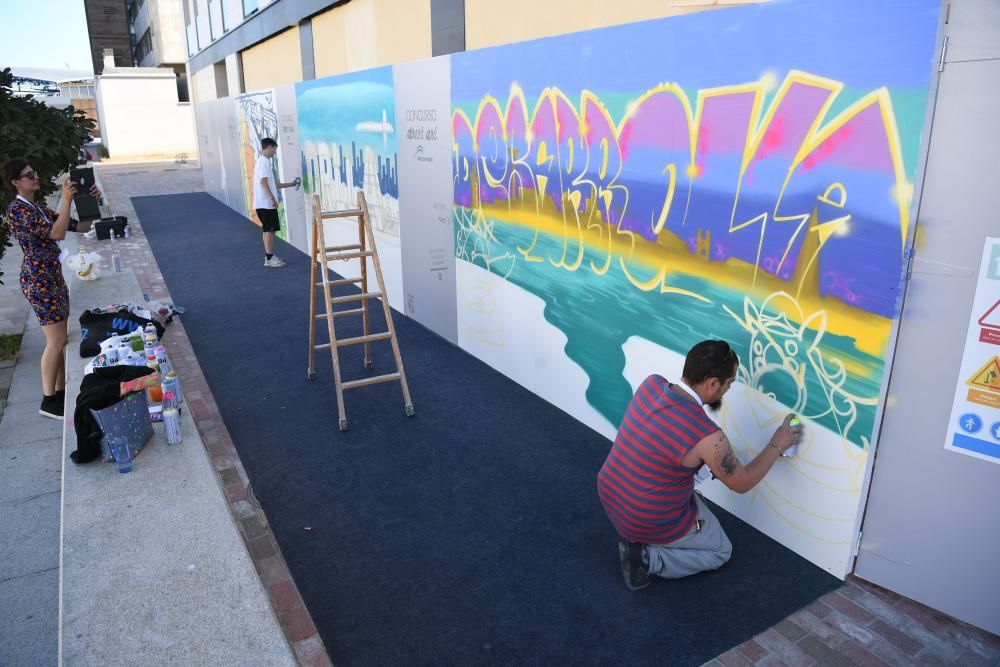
645,489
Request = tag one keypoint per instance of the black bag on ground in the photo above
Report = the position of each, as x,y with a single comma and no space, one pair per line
96,326
98,390
105,227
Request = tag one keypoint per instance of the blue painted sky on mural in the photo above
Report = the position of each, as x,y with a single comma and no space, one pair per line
330,109
718,48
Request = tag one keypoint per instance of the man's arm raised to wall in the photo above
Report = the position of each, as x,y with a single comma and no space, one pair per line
716,451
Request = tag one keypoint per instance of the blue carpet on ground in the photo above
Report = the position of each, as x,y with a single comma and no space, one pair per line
470,534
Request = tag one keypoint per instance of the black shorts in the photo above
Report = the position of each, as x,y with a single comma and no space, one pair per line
269,221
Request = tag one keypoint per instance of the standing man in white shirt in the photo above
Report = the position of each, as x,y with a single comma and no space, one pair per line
265,199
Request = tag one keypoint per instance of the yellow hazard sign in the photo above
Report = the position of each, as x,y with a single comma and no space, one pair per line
987,377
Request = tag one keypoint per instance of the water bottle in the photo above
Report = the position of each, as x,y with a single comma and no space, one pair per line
119,450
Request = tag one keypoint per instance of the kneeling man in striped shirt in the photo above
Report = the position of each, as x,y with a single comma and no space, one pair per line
646,485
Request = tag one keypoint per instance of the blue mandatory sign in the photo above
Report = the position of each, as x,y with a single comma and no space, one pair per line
970,423
993,266
995,431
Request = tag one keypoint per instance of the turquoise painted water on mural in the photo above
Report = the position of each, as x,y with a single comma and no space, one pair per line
598,314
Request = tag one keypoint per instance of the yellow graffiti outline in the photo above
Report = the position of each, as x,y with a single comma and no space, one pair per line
604,195
516,96
754,139
630,112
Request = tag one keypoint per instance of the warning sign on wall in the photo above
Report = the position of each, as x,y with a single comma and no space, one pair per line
990,325
974,428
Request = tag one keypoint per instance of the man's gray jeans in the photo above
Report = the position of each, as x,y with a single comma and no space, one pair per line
702,549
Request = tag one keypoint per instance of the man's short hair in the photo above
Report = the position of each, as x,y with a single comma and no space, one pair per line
710,359
267,142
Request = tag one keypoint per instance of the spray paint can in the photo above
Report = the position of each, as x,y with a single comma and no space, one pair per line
124,349
111,354
149,351
149,331
172,384
116,262
791,451
128,234
161,357
172,425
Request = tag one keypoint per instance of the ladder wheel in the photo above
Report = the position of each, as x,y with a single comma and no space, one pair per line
310,375
410,411
344,424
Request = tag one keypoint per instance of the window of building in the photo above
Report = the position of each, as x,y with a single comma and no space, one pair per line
143,46
250,6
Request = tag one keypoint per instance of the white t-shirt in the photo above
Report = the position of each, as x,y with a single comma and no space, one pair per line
261,195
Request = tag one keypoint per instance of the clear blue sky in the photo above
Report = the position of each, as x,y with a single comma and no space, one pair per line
49,33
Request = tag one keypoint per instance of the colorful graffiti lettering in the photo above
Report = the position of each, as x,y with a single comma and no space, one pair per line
778,191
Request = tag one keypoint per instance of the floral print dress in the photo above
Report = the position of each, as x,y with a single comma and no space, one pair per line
41,272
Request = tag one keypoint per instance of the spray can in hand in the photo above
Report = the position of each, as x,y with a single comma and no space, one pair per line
791,451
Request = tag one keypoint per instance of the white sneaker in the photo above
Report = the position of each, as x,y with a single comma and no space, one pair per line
275,262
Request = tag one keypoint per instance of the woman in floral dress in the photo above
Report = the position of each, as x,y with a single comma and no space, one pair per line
37,229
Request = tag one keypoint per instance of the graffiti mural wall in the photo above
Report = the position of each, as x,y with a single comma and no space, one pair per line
347,129
257,120
622,194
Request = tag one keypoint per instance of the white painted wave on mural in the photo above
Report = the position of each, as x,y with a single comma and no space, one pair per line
504,326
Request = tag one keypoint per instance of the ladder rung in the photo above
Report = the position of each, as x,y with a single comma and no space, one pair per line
348,213
351,255
322,346
339,313
363,339
361,296
372,380
343,281
342,248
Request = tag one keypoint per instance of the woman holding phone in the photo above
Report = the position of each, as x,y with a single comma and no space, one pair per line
37,230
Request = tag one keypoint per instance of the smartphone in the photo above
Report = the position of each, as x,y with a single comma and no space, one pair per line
84,179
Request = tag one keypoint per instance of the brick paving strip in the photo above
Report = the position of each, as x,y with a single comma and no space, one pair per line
864,624
120,183
858,624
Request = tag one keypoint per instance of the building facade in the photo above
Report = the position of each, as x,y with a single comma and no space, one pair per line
108,27
157,27
236,46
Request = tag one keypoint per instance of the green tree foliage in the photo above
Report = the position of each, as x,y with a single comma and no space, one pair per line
49,138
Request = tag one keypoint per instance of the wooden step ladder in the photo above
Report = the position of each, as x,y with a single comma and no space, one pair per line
362,250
